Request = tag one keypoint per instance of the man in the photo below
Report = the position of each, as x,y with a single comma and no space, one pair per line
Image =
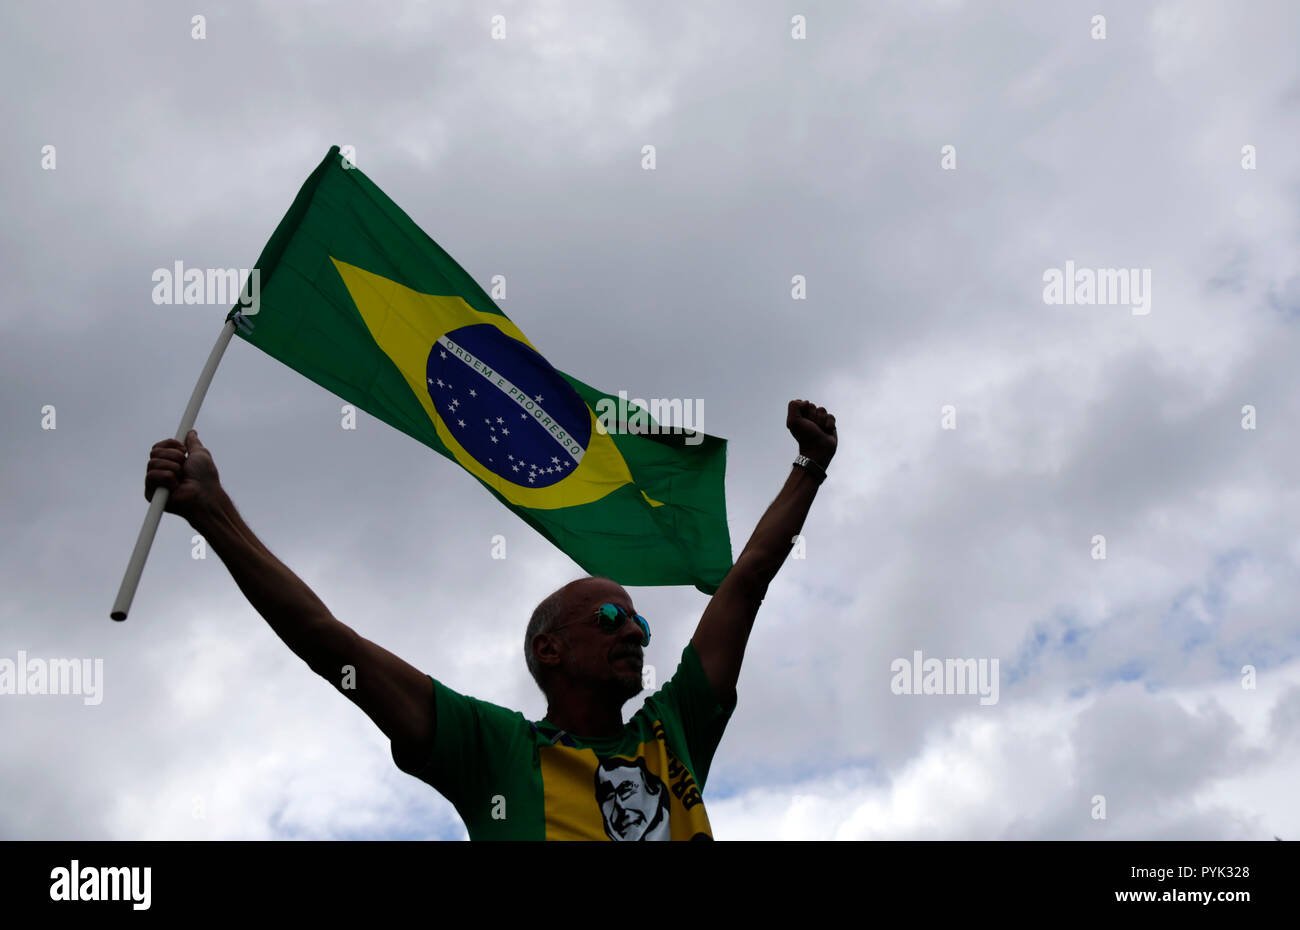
580,773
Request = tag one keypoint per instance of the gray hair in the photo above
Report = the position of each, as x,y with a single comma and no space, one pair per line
543,618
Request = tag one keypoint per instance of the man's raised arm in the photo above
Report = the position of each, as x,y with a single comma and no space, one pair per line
394,694
723,631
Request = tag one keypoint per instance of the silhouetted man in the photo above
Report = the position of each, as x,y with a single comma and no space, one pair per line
580,772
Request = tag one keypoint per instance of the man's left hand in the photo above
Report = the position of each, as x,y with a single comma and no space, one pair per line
813,429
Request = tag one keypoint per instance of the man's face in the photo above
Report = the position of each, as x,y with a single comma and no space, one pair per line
610,661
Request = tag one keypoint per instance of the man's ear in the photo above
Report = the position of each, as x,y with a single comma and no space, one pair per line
547,648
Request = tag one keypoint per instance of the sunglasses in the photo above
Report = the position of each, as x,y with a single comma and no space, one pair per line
611,618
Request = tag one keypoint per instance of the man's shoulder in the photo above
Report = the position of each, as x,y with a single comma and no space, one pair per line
663,699
689,676
447,698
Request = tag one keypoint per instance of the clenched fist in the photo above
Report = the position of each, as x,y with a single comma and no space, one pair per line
186,470
814,429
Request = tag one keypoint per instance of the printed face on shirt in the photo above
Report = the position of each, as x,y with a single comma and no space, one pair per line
633,801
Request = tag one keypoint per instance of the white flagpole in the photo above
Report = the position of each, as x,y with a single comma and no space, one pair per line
145,540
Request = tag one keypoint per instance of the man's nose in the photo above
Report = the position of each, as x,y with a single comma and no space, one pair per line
630,631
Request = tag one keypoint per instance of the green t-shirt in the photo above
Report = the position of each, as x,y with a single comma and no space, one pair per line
510,779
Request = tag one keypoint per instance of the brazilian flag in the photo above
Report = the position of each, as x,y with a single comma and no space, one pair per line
359,299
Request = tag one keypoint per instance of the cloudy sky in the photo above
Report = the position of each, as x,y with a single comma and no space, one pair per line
1170,433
